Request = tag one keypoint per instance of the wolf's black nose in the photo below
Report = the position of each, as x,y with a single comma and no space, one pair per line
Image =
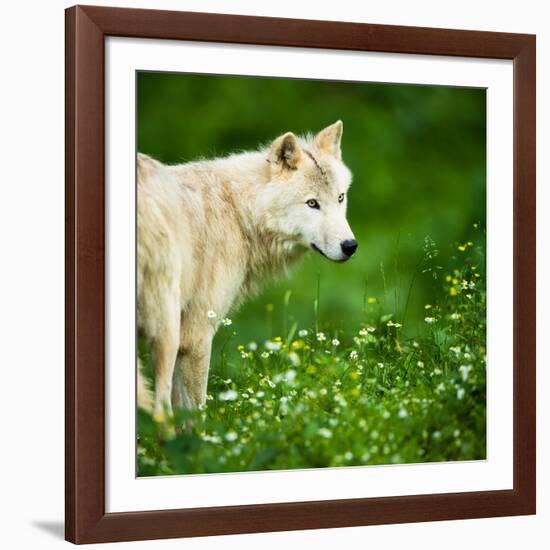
349,247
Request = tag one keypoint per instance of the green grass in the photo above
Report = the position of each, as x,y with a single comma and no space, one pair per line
316,396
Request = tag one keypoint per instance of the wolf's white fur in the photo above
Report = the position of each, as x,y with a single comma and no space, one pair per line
210,232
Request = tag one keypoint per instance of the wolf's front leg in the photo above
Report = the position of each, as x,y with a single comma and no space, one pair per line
191,373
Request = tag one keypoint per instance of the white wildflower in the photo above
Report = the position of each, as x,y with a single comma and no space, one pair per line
402,413
335,342
353,355
231,436
430,320
211,438
420,364
460,393
294,358
211,314
325,432
302,333
226,322
321,337
340,400
465,371
290,375
273,346
229,395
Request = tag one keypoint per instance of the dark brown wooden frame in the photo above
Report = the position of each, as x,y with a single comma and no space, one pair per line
86,29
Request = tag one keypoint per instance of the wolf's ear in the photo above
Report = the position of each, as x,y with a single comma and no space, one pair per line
286,151
329,139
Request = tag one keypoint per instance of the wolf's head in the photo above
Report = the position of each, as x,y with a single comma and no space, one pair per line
306,198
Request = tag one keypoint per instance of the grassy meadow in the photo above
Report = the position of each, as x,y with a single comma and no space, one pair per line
377,361
316,396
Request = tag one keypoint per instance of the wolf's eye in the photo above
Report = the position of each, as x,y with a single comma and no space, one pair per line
341,197
312,203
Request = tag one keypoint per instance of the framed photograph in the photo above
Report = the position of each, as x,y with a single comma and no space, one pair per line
300,274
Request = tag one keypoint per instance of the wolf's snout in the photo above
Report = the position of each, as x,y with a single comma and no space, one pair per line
349,246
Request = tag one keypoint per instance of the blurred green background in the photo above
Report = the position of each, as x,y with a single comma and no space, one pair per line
417,154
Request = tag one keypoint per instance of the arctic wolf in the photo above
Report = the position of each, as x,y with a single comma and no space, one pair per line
211,232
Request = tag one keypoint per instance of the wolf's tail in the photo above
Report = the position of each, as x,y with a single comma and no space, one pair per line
144,393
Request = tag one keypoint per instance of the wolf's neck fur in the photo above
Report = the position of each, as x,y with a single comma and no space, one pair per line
241,177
